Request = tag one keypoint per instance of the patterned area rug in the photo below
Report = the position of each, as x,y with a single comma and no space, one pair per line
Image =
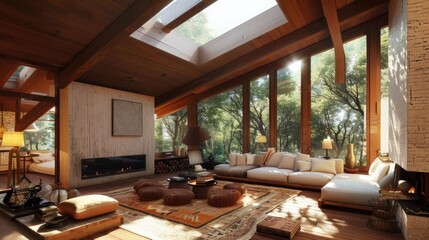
236,222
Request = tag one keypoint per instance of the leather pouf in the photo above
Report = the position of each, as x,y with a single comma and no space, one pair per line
178,196
146,183
220,197
151,193
237,186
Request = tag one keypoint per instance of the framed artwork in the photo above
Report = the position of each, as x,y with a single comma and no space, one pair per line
126,118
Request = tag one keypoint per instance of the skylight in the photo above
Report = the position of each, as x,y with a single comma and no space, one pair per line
221,17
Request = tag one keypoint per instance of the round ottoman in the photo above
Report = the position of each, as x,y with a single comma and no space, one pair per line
146,183
151,193
237,186
178,196
220,197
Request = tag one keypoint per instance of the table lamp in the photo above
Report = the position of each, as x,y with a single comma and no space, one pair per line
14,140
261,140
327,144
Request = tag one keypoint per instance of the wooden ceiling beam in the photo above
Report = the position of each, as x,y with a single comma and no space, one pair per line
27,96
330,12
134,17
30,78
35,113
183,13
6,71
316,27
298,13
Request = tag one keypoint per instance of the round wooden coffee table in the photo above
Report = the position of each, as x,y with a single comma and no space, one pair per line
201,189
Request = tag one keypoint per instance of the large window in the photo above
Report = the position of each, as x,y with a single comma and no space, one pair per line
222,117
289,108
259,111
170,131
338,110
384,107
44,137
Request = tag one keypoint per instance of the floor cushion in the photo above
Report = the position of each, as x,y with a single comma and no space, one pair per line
178,196
151,193
146,183
237,186
219,197
88,206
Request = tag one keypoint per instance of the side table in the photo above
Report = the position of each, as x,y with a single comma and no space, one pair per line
201,189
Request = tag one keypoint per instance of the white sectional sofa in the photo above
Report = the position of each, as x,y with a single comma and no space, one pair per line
299,170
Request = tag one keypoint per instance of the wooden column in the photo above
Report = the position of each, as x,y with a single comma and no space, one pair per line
246,116
193,118
306,105
373,95
273,109
57,133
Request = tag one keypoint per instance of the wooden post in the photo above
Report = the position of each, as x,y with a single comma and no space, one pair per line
306,105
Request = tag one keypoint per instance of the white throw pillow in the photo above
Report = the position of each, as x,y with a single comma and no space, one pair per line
302,157
304,166
274,160
380,173
287,161
43,157
250,158
387,181
325,166
241,159
374,166
232,158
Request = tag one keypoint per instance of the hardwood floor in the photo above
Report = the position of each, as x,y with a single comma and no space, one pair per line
316,223
34,177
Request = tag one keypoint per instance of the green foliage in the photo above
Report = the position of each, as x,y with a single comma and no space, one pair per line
44,139
170,131
196,29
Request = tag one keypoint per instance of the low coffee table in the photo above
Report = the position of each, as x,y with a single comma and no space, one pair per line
201,189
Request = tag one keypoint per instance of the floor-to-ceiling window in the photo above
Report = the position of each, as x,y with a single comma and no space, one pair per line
338,110
170,131
259,112
289,108
222,117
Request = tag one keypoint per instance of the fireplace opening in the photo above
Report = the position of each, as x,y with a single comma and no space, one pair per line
105,166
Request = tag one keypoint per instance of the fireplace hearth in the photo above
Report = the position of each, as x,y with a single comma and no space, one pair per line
105,166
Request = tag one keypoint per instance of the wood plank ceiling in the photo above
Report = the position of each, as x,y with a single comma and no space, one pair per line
53,36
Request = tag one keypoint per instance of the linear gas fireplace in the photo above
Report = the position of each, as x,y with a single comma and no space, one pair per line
105,166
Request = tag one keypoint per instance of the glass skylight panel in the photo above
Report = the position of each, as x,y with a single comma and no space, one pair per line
221,17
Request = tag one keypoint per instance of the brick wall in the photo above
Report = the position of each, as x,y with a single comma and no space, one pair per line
409,83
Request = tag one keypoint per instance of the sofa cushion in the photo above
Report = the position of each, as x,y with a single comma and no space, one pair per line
303,166
301,157
88,206
323,165
380,172
258,160
374,166
350,191
353,177
232,171
232,158
310,178
269,174
274,159
250,159
287,161
241,159
339,165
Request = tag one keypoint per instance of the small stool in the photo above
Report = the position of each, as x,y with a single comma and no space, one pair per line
178,182
237,186
220,197
151,193
178,196
146,183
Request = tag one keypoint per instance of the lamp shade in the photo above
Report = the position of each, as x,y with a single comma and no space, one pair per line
13,139
261,139
327,143
195,136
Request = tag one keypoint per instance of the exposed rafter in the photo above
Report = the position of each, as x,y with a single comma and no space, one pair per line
31,78
27,96
294,10
182,12
330,12
317,27
35,113
135,16
6,71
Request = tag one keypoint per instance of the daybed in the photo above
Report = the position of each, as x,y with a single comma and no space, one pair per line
43,163
300,170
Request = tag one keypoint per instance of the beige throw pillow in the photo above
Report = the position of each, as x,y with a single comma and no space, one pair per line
241,160
259,158
88,206
325,166
304,166
250,159
380,172
43,157
232,158
274,159
267,156
287,161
